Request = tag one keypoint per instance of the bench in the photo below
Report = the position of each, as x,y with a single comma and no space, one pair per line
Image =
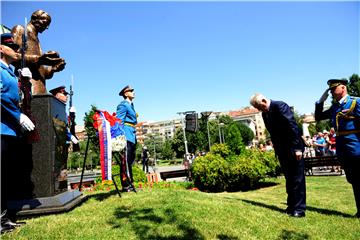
174,174
323,161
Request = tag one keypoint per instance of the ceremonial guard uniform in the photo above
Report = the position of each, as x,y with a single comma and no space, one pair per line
12,122
345,117
126,113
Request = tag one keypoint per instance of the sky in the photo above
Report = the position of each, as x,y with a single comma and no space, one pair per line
196,56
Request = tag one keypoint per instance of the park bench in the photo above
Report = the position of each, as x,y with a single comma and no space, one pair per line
323,161
174,174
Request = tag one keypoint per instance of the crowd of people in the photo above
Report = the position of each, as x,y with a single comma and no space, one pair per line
321,144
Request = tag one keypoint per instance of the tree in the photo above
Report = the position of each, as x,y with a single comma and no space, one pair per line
90,130
178,143
154,144
233,138
246,133
167,152
354,85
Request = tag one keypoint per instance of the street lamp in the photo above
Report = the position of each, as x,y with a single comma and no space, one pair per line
183,127
221,132
206,115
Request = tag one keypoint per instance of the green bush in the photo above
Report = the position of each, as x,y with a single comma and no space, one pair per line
138,175
216,173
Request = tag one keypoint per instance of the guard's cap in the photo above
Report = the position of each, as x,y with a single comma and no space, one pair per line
125,89
336,82
58,89
7,40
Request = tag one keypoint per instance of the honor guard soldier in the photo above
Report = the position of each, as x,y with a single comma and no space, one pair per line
61,94
126,113
344,114
13,123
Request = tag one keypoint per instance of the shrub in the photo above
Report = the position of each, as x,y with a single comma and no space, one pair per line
216,173
221,149
138,175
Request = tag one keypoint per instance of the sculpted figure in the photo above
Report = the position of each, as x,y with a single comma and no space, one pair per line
42,66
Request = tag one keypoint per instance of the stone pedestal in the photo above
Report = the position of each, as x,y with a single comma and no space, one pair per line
50,153
46,163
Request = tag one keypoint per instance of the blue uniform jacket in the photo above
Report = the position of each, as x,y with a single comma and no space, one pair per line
10,112
126,112
346,144
284,131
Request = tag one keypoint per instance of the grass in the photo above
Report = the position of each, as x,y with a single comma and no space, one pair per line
175,213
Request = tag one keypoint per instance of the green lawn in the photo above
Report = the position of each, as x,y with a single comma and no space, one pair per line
173,213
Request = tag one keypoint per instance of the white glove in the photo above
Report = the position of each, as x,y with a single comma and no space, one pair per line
74,139
324,96
25,72
26,123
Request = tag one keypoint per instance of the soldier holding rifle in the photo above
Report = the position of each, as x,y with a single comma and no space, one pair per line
13,122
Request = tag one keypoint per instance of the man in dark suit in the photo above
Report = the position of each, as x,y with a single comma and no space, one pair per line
288,145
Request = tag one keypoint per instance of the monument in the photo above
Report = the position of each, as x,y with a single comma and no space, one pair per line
40,178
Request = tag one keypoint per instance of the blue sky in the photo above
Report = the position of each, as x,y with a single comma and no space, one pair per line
182,56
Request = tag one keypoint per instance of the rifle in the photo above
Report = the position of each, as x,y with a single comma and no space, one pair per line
72,116
25,87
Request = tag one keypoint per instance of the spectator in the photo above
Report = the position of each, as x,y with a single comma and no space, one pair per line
320,144
332,142
145,159
268,146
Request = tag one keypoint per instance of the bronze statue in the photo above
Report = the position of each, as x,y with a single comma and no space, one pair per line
42,66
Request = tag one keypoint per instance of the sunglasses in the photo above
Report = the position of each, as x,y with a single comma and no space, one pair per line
14,47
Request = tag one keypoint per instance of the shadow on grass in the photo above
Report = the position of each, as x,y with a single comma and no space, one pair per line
142,222
103,195
286,234
271,207
328,212
308,208
226,237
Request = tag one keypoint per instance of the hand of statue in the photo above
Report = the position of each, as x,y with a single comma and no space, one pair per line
50,58
52,54
60,66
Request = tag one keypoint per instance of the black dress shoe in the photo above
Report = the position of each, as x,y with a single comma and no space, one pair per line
13,224
297,214
126,189
6,228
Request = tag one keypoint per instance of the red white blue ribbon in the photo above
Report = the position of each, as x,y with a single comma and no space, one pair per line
105,146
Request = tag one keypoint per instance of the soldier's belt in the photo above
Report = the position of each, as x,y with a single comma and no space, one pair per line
130,124
343,133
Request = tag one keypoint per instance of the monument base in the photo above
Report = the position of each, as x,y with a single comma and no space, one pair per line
62,202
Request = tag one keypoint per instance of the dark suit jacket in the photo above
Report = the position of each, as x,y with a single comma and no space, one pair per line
284,131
